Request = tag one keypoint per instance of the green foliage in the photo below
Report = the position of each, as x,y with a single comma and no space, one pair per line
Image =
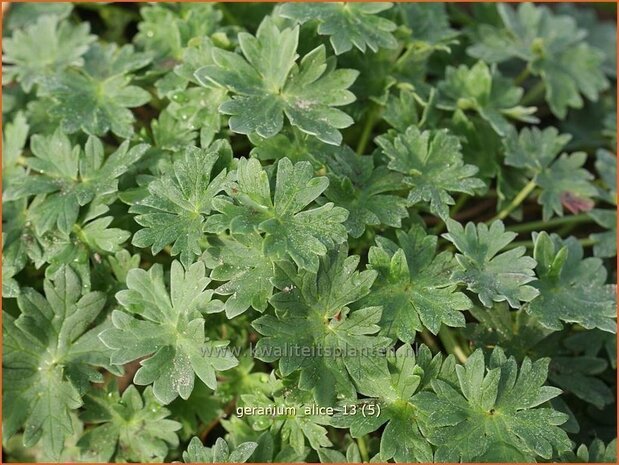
175,208
43,48
97,97
269,83
170,330
432,163
289,230
488,94
571,289
563,180
130,427
347,24
219,453
50,357
494,276
309,232
415,286
312,313
553,47
493,415
69,178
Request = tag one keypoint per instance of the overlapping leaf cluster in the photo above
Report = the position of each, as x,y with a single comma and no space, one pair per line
309,232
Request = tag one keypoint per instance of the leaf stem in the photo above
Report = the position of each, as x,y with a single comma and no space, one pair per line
585,242
363,449
367,129
559,221
452,346
455,209
526,72
533,94
515,203
429,341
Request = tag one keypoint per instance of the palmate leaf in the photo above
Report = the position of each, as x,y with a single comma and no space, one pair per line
554,49
429,23
25,14
295,145
392,386
573,368
432,164
312,315
14,137
571,289
168,327
365,190
414,285
291,419
69,178
563,180
49,359
485,92
44,47
347,24
596,452
493,276
605,244
268,83
290,230
96,98
239,263
132,427
493,413
177,204
220,452
166,29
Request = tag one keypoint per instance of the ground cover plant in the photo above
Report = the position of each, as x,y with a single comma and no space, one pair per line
309,232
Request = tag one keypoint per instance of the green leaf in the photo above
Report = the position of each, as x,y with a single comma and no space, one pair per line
605,243
269,83
485,92
49,360
14,137
290,231
347,24
177,204
170,330
97,236
552,46
166,29
239,263
432,165
429,23
314,330
296,145
219,453
493,276
69,178
42,48
573,368
291,417
132,427
580,376
414,285
96,98
571,289
26,13
597,452
363,189
563,180
392,388
493,412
